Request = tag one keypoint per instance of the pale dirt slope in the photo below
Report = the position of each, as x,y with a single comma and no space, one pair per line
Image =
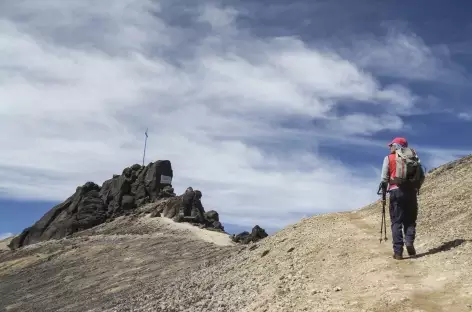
332,262
4,243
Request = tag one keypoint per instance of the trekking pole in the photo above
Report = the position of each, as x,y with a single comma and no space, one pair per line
383,224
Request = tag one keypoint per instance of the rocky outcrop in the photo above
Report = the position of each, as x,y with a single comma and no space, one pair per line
82,210
213,217
138,190
137,185
167,207
91,204
175,209
245,237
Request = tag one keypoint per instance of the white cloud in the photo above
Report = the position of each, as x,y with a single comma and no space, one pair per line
217,17
465,116
361,123
407,56
80,81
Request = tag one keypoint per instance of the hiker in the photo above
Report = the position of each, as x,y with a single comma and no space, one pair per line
403,186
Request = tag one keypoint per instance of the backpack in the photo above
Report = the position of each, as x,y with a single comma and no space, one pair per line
409,172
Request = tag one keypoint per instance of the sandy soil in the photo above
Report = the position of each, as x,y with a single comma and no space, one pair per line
4,243
216,238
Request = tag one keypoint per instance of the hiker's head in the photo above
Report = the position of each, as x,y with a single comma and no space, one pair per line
397,143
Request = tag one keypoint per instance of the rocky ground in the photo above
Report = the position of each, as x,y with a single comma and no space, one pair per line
110,267
332,262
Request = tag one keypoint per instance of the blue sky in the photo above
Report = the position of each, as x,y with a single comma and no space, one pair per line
275,111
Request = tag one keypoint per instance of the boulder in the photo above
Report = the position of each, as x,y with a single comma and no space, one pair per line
212,216
198,211
187,201
166,192
245,237
217,225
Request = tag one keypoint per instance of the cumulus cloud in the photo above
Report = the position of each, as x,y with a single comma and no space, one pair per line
81,81
406,55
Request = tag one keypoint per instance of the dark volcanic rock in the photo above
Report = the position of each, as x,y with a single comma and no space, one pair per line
187,200
245,237
128,203
82,210
197,211
91,204
166,192
212,216
175,208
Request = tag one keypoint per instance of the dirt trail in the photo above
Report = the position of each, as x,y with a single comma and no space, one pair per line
424,283
213,237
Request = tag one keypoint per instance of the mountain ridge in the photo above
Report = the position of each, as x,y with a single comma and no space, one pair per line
123,194
328,262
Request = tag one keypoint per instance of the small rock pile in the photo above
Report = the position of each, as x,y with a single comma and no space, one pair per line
245,237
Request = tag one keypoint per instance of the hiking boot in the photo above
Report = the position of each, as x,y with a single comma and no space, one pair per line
397,256
411,250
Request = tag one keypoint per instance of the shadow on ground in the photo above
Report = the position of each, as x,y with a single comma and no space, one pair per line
444,247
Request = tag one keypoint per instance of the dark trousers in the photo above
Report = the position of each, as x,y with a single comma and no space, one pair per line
403,214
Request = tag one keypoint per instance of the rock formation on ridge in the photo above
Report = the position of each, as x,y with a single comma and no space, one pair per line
92,205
